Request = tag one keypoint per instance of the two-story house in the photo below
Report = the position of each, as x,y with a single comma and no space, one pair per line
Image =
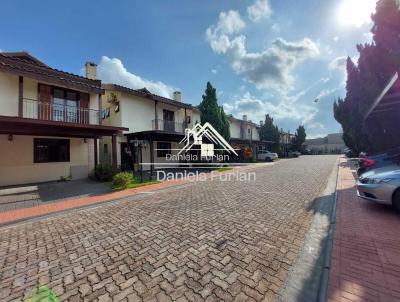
286,142
156,126
49,121
244,133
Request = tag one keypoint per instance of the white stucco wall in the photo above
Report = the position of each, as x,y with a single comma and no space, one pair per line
8,94
234,128
136,113
255,133
17,166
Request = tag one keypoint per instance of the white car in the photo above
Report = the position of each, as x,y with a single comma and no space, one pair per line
267,156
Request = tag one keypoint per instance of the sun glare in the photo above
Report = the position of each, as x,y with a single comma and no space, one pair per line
356,12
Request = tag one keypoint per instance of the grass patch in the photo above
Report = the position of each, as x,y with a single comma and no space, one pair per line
136,184
223,169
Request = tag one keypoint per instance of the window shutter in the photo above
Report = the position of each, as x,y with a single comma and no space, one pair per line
84,100
44,105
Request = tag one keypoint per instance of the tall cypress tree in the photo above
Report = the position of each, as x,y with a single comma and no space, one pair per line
270,132
377,63
300,138
212,113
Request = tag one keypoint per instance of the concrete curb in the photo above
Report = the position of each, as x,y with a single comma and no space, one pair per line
323,287
308,278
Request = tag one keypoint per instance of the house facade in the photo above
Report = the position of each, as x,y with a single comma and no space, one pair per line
157,125
332,143
244,134
286,140
49,121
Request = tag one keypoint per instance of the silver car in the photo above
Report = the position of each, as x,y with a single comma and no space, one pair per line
381,185
267,156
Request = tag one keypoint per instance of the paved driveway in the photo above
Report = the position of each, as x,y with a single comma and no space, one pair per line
207,241
26,196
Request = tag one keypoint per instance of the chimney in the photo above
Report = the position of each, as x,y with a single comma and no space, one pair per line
244,117
90,70
177,96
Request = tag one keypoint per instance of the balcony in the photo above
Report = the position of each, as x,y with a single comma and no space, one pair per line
46,111
168,126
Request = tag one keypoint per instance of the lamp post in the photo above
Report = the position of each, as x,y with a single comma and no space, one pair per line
139,144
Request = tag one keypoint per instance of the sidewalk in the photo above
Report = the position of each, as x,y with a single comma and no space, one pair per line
366,254
45,209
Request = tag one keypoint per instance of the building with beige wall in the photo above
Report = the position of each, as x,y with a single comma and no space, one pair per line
49,122
332,143
244,133
154,123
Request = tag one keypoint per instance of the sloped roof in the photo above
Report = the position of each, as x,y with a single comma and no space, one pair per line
144,93
232,118
24,64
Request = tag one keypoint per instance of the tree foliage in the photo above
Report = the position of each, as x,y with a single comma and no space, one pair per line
300,138
377,63
270,132
212,113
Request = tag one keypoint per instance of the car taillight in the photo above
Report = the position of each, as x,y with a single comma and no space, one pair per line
369,163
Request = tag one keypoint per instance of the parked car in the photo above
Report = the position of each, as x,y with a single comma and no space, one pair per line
294,154
381,185
369,162
267,156
348,152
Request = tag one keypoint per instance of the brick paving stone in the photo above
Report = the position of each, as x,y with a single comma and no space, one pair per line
366,247
205,241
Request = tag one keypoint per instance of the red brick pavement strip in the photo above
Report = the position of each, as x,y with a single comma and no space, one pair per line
366,252
41,210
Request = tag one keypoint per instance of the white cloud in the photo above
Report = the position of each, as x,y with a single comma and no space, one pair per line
287,109
259,10
269,68
229,23
214,71
272,67
336,38
325,92
111,70
338,63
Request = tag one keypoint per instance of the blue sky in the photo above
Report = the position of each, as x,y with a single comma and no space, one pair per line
263,56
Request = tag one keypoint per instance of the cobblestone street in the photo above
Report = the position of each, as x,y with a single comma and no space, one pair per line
204,241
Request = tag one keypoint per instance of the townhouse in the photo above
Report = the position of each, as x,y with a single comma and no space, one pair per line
244,133
157,125
50,121
286,142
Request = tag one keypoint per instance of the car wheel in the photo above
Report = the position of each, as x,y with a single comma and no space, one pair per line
267,159
396,201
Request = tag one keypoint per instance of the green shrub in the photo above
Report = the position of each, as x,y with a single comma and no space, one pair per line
42,293
122,180
103,172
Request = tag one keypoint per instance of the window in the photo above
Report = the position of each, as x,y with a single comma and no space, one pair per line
105,149
163,149
65,105
50,150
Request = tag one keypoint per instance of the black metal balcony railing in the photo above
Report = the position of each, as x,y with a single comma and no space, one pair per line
59,112
168,126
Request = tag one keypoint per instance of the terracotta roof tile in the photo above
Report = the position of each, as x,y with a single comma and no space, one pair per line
24,64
